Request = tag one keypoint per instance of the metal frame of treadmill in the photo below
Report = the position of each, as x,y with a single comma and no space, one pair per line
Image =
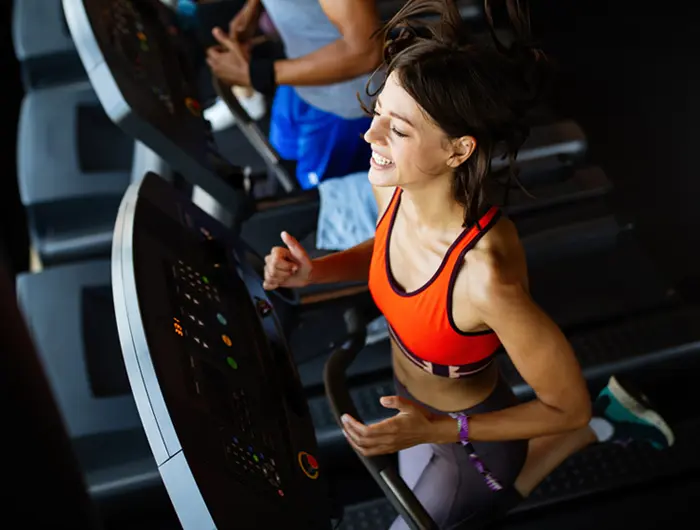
150,402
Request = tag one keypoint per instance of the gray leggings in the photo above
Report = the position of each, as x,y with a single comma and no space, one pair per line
448,484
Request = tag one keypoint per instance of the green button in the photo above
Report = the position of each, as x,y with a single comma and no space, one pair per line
205,279
255,457
232,363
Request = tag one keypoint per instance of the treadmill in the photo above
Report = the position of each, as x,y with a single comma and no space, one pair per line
214,382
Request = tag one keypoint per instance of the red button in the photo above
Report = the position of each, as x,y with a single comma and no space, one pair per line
312,461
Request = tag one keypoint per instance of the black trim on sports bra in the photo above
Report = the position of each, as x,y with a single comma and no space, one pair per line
455,272
388,206
392,281
443,370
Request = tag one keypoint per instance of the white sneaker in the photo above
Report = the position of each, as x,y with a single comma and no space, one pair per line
252,102
221,117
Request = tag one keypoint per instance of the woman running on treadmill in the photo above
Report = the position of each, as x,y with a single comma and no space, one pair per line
449,273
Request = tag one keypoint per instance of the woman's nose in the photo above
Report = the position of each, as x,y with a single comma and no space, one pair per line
376,133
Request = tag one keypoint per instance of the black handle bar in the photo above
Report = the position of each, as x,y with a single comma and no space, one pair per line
381,468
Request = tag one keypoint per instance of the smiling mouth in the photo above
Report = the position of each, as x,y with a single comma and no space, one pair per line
380,160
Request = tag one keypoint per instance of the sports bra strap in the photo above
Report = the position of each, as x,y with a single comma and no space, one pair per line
389,210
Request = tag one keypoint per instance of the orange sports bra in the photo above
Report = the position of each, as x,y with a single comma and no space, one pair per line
421,322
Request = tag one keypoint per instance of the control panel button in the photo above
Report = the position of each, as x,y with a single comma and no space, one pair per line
308,465
222,319
193,106
232,363
227,340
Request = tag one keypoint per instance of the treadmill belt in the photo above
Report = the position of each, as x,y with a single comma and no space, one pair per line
103,354
631,344
604,467
376,514
597,284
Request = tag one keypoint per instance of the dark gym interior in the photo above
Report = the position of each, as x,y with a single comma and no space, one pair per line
613,259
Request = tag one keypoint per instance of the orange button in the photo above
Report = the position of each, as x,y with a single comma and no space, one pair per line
226,340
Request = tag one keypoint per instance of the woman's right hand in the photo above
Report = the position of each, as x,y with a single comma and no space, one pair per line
288,266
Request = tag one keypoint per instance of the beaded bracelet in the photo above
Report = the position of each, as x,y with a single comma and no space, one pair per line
463,427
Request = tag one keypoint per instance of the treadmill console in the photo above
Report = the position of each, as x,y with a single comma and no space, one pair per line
213,379
142,68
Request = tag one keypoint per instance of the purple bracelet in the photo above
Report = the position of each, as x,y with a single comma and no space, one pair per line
463,426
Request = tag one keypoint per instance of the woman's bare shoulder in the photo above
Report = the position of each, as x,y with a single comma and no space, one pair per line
497,262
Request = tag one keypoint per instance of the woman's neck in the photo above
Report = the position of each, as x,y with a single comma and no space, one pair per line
432,205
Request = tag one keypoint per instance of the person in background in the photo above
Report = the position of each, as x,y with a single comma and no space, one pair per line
331,49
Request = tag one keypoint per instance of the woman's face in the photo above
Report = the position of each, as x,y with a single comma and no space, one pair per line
408,148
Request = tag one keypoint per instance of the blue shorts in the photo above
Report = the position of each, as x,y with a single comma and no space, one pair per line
322,144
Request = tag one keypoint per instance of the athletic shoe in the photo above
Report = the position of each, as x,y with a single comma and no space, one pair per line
632,416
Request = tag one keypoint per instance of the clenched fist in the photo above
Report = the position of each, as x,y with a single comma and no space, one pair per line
288,266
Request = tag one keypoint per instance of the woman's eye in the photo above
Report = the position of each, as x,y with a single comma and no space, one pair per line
398,133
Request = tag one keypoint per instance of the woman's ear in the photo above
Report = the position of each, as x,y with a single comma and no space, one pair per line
462,149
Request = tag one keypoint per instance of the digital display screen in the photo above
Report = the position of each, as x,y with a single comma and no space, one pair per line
146,45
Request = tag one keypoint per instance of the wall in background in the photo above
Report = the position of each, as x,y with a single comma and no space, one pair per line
630,74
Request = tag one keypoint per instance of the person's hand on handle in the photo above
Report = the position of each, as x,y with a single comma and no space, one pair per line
288,266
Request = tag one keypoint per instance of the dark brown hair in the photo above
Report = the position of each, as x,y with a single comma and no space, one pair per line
466,86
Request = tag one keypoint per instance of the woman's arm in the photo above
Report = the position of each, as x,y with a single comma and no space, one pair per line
346,266
355,53
351,264
538,349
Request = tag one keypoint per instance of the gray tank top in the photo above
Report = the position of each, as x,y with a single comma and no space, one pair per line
304,28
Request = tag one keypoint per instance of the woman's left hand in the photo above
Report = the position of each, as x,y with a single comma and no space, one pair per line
411,426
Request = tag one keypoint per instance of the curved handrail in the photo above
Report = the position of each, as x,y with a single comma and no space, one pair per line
254,135
381,468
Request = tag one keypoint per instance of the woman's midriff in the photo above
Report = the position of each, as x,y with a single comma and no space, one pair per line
443,393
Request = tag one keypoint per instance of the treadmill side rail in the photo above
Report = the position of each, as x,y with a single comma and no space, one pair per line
380,467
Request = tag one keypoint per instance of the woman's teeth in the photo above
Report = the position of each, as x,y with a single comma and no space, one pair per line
381,160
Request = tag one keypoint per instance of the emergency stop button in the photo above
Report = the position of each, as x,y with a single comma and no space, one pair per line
308,465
